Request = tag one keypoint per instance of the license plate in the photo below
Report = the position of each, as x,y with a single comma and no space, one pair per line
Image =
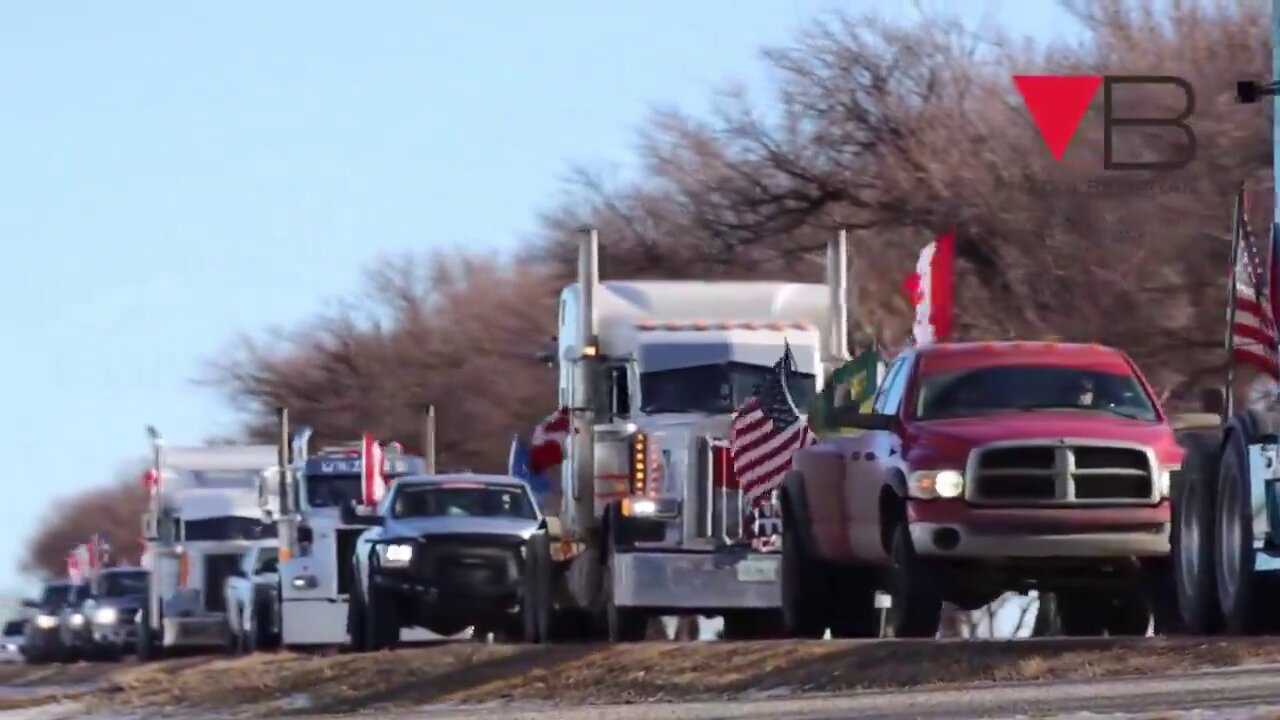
757,570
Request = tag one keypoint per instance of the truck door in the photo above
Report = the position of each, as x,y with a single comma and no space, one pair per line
870,456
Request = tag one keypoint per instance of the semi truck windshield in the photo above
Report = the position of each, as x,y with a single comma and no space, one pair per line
325,491
227,528
123,584
715,389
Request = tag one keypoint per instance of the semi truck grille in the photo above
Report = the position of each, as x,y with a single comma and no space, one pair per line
346,548
217,568
1061,473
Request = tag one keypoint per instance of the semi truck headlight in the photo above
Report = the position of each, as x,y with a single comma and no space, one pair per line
651,507
932,484
305,582
45,622
106,616
397,555
77,619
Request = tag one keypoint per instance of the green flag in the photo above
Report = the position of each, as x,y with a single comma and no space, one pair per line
853,383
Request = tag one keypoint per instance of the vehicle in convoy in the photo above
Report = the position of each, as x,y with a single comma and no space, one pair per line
441,552
315,543
652,521
12,638
73,626
204,512
110,613
43,642
253,599
984,468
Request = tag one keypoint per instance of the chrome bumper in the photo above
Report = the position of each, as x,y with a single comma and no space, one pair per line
702,582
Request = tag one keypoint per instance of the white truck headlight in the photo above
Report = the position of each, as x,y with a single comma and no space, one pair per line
106,616
77,619
1166,480
933,484
305,582
45,622
396,555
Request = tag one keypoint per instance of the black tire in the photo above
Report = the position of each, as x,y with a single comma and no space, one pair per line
149,647
805,598
1193,534
622,624
917,599
357,629
1242,593
535,606
382,614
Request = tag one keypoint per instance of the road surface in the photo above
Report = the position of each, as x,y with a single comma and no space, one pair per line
1225,694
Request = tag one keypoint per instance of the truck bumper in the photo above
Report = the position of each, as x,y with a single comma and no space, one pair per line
201,631
702,582
323,622
954,529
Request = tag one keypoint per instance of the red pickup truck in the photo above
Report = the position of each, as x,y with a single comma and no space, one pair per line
985,468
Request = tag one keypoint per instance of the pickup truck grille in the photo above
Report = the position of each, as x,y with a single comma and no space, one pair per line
1061,473
468,560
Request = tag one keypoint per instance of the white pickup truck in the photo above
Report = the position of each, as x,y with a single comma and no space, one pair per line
252,596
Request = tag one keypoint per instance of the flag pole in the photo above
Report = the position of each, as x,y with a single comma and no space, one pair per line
1228,404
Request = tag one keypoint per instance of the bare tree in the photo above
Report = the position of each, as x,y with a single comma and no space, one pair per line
114,511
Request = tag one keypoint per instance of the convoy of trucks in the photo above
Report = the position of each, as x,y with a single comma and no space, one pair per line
978,469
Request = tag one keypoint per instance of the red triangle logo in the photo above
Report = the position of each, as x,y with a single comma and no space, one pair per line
1057,104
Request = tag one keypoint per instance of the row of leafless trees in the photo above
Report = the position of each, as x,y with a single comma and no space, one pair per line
897,131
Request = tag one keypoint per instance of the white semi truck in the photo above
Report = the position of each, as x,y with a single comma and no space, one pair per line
203,515
315,546
652,520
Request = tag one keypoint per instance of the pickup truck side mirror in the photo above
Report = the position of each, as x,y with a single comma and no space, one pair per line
542,525
351,517
849,416
30,604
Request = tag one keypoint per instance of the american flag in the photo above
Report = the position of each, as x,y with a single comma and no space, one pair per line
765,432
1253,327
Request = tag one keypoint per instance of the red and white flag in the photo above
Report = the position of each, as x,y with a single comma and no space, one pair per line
1253,338
546,450
75,572
151,481
930,290
373,484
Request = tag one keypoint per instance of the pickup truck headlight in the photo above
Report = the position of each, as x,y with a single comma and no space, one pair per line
77,619
933,484
46,622
105,616
396,555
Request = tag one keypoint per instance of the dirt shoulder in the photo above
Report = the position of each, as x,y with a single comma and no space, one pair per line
468,673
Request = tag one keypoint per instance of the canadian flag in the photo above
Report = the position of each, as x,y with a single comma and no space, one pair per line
151,481
74,571
547,447
373,485
930,290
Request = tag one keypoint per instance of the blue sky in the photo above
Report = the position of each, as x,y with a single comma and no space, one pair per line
173,173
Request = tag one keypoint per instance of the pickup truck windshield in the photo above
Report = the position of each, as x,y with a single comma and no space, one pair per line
714,389
324,491
463,501
55,596
122,583
227,528
14,628
981,391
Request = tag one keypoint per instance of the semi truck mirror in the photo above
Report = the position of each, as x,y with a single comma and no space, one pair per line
1212,400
